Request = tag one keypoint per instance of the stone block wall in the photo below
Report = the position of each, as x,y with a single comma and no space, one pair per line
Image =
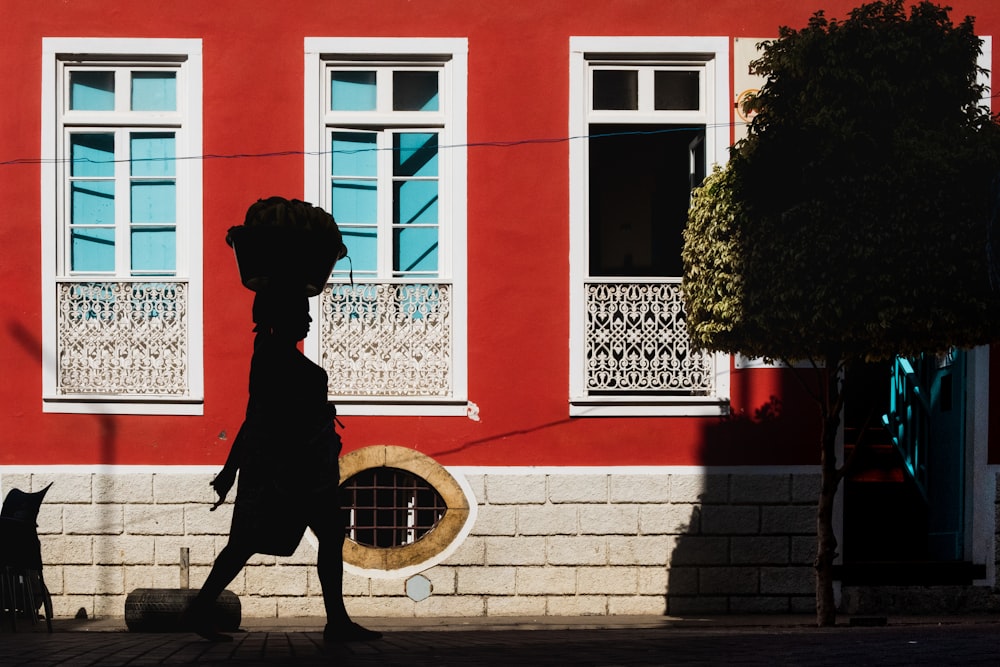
554,542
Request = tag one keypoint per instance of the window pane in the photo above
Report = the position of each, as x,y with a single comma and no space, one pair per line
415,154
415,249
92,91
154,91
154,250
616,89
354,154
354,201
415,202
640,190
676,90
361,246
352,91
92,155
92,249
154,201
92,203
153,154
415,91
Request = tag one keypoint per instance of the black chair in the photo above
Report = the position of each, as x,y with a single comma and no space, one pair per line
22,586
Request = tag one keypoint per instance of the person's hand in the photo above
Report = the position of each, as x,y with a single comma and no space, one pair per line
222,483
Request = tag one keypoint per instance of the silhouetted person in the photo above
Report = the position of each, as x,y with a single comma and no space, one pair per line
286,453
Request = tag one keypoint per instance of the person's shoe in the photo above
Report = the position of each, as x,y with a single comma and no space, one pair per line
200,623
348,632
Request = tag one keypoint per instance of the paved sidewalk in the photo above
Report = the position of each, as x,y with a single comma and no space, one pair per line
604,641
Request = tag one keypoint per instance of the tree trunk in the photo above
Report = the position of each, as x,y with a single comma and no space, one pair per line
831,402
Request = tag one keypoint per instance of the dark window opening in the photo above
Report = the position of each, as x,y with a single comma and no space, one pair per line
389,507
616,90
641,178
677,91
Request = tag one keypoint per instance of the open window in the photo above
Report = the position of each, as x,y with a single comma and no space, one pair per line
654,112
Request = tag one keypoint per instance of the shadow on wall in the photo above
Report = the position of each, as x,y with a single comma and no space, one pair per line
750,542
102,513
107,427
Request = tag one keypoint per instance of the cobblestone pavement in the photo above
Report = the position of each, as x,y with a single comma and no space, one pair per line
945,643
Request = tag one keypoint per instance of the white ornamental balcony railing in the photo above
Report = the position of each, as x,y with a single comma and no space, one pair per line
390,340
636,341
122,338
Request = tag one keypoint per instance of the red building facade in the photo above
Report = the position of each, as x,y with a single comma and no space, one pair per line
511,182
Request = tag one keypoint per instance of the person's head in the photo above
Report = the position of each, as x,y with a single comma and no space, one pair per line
284,314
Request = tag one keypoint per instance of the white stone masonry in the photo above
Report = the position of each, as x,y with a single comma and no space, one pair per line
553,542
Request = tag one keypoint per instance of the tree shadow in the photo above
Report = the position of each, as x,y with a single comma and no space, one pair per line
749,544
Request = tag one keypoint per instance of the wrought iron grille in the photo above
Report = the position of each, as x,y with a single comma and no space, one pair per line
122,338
387,339
636,341
390,507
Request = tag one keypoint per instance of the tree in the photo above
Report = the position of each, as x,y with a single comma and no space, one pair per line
854,222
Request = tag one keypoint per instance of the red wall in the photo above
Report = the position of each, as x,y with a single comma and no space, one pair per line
518,237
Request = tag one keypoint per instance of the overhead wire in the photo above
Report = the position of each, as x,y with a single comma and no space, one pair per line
299,153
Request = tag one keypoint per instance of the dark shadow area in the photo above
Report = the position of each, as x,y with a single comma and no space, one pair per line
889,520
773,420
884,517
750,542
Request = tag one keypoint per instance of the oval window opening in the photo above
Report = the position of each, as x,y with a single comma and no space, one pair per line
390,507
405,512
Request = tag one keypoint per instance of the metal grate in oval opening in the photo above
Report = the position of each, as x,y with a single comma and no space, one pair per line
389,507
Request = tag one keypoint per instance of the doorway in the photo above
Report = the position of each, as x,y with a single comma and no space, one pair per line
904,494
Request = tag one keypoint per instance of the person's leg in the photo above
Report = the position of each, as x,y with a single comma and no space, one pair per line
227,565
330,568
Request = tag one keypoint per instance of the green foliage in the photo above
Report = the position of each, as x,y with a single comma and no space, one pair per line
854,219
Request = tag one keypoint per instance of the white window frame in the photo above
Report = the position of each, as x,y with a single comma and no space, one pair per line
133,54
711,55
452,116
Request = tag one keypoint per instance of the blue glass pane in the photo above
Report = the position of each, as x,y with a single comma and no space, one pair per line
415,202
154,91
154,250
153,154
92,155
415,91
92,91
154,201
361,247
92,250
415,249
415,154
353,154
352,91
354,201
92,203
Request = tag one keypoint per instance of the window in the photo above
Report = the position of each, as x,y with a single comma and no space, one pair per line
122,226
385,131
408,512
654,112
